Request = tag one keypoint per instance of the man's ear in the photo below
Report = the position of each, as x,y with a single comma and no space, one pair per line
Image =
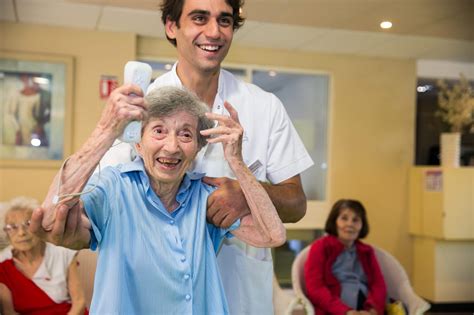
170,28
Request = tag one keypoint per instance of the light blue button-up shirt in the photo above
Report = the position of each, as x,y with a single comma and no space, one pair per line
151,261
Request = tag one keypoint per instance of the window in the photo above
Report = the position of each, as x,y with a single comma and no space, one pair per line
429,126
305,97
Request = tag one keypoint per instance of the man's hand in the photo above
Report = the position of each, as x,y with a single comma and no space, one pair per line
227,203
71,228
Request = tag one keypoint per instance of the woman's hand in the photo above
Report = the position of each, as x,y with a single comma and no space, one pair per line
125,104
228,131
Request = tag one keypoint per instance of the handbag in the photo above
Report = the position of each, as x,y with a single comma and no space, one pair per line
395,308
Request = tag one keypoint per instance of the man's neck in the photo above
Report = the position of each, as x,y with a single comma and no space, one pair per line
203,84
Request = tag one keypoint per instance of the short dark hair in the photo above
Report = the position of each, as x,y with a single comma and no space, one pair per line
172,9
354,205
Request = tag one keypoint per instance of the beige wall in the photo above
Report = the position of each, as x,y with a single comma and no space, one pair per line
94,54
371,127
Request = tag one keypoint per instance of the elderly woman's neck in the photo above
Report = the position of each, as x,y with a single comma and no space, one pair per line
31,255
167,194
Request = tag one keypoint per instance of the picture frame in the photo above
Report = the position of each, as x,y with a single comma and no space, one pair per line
36,109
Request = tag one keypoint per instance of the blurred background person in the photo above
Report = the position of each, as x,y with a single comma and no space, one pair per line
342,274
36,277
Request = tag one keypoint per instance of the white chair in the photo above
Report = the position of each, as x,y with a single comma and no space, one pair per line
398,284
281,298
299,288
396,280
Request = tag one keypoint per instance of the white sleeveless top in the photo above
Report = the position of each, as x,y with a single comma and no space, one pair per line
51,276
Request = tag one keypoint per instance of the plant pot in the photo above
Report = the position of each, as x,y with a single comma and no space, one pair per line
450,149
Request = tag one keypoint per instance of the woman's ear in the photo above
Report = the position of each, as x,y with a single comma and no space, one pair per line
138,148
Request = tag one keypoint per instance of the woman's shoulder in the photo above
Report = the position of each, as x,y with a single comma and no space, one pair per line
327,241
6,254
364,247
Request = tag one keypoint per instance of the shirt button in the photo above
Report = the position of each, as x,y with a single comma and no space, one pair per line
188,297
171,221
186,277
183,259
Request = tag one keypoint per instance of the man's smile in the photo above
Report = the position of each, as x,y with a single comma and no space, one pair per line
210,48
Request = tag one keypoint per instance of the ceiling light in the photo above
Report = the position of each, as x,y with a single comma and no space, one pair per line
35,142
423,88
386,24
168,66
272,73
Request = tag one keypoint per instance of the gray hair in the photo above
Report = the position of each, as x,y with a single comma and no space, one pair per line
16,204
168,100
20,204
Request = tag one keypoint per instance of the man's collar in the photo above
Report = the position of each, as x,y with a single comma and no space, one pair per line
176,79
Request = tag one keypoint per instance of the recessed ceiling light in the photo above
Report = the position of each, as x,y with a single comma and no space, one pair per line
386,24
423,88
35,142
272,73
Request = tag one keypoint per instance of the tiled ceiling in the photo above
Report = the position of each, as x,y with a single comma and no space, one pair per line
423,29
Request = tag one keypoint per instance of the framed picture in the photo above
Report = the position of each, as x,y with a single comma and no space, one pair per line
35,107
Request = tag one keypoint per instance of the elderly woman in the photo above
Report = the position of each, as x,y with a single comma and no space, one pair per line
36,277
157,253
342,274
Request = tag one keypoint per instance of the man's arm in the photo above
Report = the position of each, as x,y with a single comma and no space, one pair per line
227,203
262,227
289,198
64,223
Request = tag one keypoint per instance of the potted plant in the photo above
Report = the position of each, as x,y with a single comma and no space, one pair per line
456,109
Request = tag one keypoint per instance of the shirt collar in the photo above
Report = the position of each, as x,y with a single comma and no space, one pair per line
137,165
176,79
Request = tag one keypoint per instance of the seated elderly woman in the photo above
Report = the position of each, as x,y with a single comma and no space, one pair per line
157,253
36,277
342,274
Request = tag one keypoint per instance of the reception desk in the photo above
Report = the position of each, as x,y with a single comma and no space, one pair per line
442,224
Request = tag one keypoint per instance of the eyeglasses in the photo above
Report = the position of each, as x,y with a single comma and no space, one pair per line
13,228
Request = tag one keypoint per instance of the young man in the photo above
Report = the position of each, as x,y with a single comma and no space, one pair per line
202,31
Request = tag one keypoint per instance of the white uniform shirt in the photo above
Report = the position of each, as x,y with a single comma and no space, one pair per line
274,152
51,276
